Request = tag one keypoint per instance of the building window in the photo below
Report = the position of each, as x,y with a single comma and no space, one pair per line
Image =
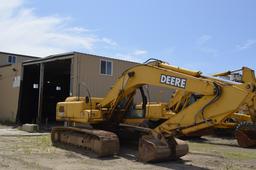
106,67
11,59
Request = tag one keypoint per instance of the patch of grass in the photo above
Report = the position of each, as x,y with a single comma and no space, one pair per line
201,147
43,141
229,166
239,155
27,151
34,144
223,151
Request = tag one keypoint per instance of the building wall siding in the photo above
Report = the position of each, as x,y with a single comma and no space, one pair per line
88,68
19,59
98,85
9,92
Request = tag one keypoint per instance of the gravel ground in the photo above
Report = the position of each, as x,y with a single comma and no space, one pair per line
22,150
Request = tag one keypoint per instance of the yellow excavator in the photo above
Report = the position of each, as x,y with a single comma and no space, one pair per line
242,116
106,116
181,99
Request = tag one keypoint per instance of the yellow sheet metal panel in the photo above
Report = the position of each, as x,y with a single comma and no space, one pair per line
155,111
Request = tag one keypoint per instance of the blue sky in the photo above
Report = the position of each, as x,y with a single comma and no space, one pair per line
206,35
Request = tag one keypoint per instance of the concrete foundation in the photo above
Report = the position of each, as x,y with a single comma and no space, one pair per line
30,128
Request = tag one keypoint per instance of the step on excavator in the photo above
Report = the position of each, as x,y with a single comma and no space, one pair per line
219,99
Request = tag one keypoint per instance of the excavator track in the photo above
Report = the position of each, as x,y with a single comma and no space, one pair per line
102,143
246,134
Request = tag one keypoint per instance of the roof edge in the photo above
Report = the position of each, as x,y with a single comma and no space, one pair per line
72,53
22,55
75,52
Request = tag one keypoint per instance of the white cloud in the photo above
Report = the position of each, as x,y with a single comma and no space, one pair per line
203,39
22,31
247,44
128,57
135,56
109,41
78,29
7,7
202,45
139,52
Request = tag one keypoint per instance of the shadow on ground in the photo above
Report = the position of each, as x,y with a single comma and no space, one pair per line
129,150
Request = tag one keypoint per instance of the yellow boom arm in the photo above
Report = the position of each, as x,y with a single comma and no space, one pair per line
219,99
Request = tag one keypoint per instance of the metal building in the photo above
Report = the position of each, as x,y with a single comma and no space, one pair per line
10,72
46,81
7,59
33,88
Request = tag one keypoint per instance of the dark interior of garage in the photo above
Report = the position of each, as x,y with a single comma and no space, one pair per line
56,87
28,103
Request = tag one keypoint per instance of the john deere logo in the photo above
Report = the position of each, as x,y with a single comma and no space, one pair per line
173,81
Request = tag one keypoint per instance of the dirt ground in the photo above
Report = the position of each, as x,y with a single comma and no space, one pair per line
22,150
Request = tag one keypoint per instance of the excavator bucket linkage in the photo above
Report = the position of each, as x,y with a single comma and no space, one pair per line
152,149
246,134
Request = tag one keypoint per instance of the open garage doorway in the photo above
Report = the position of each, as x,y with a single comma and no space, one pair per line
55,87
28,99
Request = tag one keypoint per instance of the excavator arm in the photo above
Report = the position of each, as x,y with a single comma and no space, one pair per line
181,100
161,76
208,111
